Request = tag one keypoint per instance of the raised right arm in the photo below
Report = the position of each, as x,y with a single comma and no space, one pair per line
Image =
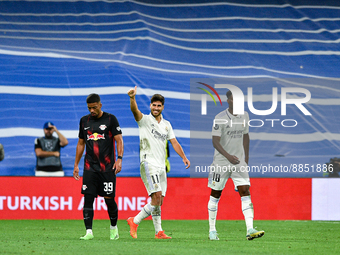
133,104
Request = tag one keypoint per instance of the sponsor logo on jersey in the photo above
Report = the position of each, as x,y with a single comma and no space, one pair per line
158,135
102,127
118,129
84,187
95,137
235,133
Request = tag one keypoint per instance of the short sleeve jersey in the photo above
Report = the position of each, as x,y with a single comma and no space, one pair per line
231,130
98,134
153,136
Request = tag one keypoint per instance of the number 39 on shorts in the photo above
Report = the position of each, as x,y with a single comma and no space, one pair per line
108,186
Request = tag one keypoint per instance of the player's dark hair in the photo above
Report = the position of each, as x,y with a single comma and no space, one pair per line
93,98
229,94
157,97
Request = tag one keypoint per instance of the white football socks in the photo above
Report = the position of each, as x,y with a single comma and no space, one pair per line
148,210
144,213
212,210
156,218
248,211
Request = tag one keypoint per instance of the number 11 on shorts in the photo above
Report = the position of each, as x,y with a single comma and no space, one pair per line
155,179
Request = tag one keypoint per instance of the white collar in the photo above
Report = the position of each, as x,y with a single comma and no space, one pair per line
154,119
231,116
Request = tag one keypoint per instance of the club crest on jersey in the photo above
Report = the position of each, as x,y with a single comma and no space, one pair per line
95,137
49,145
102,127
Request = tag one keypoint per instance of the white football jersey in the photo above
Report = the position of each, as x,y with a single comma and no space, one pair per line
231,130
153,136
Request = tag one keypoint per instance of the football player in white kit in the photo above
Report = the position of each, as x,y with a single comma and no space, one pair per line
154,131
231,142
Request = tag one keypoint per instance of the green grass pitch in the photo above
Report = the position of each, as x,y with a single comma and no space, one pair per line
189,237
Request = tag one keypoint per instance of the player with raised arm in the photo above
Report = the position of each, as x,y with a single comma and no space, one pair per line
231,142
154,131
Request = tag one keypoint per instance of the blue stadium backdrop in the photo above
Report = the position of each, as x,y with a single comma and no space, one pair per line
54,53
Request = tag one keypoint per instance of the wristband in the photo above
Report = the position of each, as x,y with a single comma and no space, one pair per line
120,157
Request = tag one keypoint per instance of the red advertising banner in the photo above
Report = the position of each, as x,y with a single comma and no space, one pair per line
187,198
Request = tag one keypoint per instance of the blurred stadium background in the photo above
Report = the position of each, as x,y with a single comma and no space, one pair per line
54,53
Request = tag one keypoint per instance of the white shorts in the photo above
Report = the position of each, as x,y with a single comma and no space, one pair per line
154,178
219,175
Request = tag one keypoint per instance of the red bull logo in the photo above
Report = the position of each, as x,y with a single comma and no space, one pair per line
95,137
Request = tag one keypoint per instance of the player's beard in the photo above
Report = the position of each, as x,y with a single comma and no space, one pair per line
159,113
95,114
